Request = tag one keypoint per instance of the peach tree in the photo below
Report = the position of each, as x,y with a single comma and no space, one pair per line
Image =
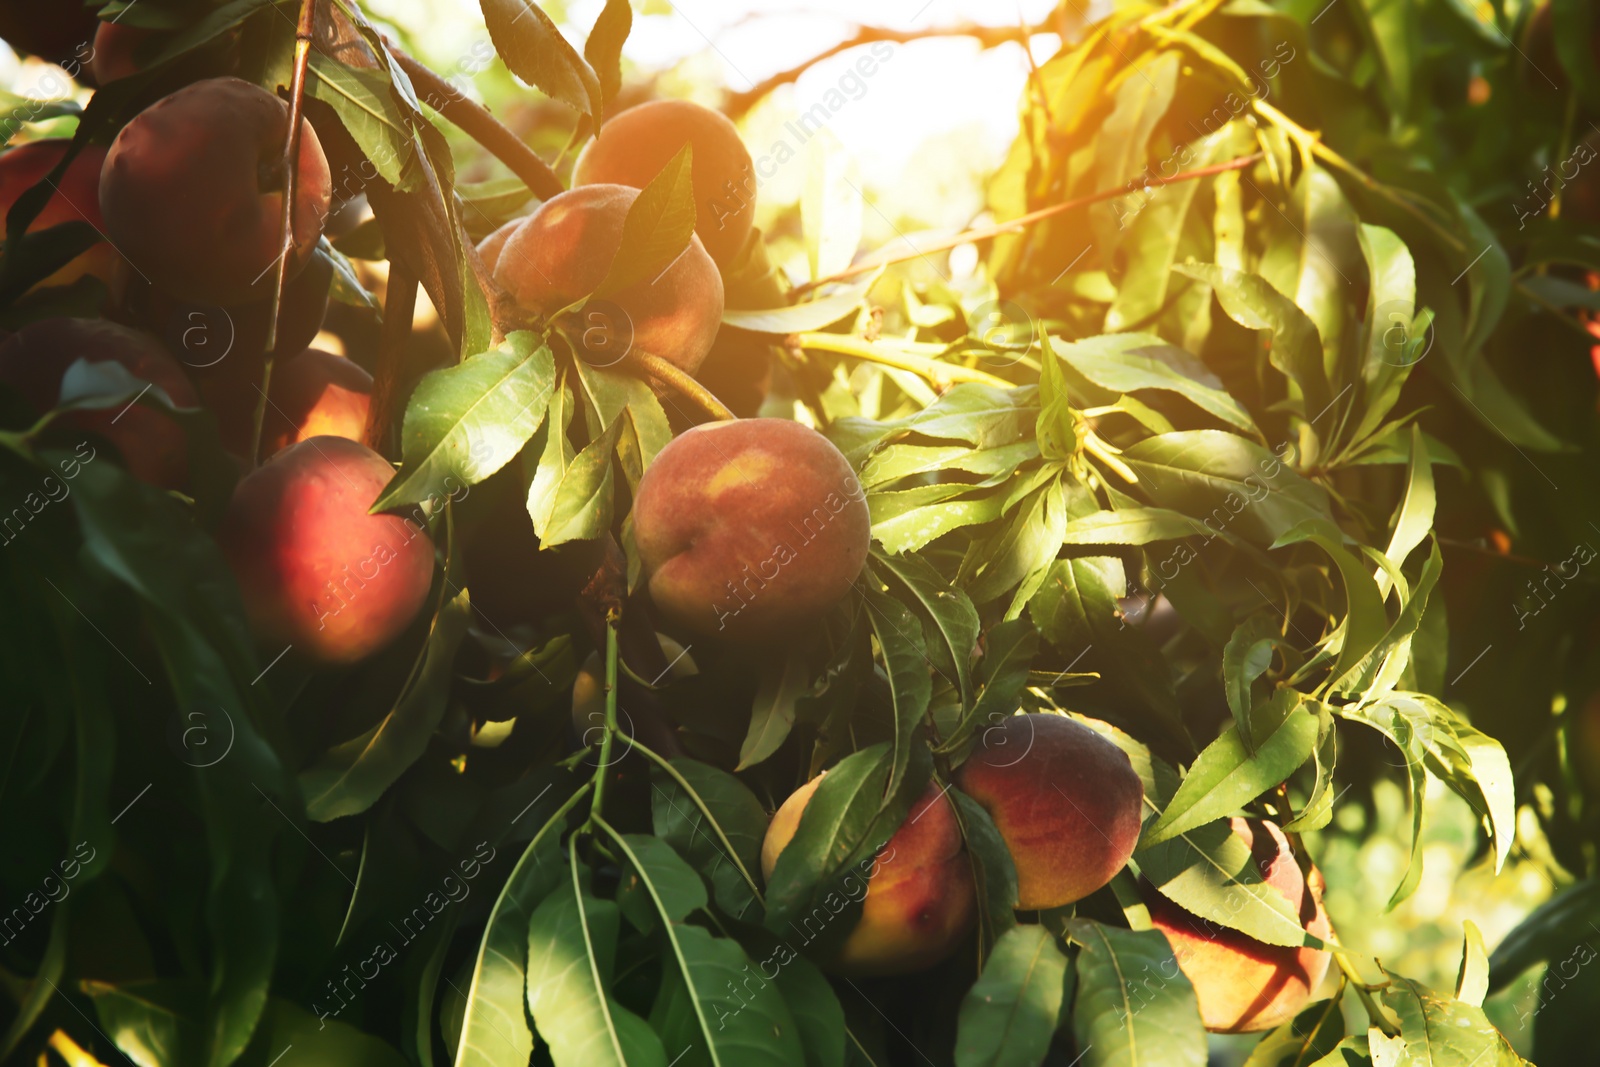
672,659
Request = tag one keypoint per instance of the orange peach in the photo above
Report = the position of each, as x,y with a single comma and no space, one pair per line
561,253
316,571
1065,800
76,199
1242,984
632,148
316,394
35,358
748,529
192,192
920,898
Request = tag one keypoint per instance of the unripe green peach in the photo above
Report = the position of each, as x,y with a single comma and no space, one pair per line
562,252
750,529
316,571
1244,985
1066,801
920,897
634,146
192,192
35,358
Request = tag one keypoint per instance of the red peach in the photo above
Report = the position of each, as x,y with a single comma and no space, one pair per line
748,529
921,898
35,358
1065,800
561,253
633,147
76,199
193,195
316,571
1242,984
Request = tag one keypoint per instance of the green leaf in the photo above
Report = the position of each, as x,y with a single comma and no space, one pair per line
494,1029
802,318
905,659
555,457
783,682
902,522
367,109
1413,519
832,206
1303,1040
1550,931
603,49
350,777
715,823
152,1023
465,422
1128,363
534,50
981,415
1318,811
848,819
1393,337
658,228
814,1005
1132,526
907,461
993,871
1210,872
572,940
734,1022
1365,621
1472,978
317,1041
1395,35
1056,430
954,619
1406,724
1296,350
1134,1006
1010,648
1442,1032
583,499
1230,484
1011,1012
1225,776
1245,658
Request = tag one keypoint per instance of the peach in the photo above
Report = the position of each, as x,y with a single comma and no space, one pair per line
192,192
920,900
114,45
561,253
316,571
76,199
56,32
316,394
749,529
1242,984
35,358
632,148
1066,801
490,247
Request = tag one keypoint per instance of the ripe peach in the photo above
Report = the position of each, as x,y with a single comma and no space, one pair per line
193,195
1244,985
750,528
34,359
316,394
920,897
114,45
55,32
632,148
316,571
1066,801
491,246
76,199
562,252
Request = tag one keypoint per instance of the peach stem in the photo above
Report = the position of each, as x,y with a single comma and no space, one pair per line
603,772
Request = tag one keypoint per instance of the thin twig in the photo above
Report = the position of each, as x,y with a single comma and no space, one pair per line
476,122
1023,221
987,37
291,174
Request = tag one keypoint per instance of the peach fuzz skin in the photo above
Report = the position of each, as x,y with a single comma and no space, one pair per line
76,199
316,571
1066,801
634,146
34,360
749,528
920,900
562,252
1243,985
188,193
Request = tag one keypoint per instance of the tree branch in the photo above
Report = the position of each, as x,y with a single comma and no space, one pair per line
476,122
666,374
737,104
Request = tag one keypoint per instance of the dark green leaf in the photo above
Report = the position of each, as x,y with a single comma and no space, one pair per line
1011,1012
